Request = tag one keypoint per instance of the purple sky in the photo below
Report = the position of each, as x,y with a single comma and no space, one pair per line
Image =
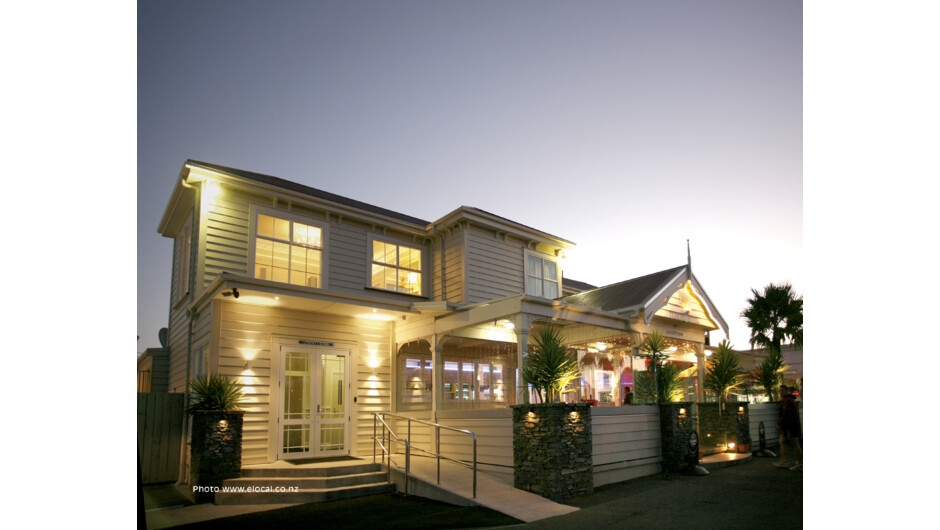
626,127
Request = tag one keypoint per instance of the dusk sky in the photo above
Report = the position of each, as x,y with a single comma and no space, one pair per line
625,127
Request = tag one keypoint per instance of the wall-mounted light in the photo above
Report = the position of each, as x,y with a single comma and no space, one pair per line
740,410
731,446
506,323
682,413
213,189
233,292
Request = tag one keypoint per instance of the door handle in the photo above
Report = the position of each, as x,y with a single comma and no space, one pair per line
318,408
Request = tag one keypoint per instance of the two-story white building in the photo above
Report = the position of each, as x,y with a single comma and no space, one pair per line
328,309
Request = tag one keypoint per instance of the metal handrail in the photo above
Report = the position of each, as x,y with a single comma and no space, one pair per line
380,416
387,450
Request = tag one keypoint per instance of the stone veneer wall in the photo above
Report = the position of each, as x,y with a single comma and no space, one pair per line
552,449
677,422
718,427
216,451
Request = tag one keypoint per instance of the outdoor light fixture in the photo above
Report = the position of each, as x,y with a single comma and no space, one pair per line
681,413
731,446
740,410
233,292
214,189
506,323
601,346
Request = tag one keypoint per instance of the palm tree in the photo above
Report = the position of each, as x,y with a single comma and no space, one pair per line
774,316
654,349
769,372
548,366
722,374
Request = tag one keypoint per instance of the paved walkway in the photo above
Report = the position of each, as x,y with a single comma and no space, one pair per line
491,492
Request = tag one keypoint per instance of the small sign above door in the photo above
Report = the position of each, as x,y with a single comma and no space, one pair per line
316,343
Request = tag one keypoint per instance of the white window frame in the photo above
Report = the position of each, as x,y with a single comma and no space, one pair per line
323,225
370,260
544,256
183,265
200,360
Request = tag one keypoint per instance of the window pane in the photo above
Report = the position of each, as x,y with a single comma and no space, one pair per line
404,256
281,254
264,250
265,225
550,290
313,261
378,251
415,259
413,282
298,259
378,276
306,235
391,279
279,275
550,272
535,266
534,286
391,254
282,229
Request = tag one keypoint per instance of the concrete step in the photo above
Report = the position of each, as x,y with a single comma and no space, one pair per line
338,481
303,495
299,471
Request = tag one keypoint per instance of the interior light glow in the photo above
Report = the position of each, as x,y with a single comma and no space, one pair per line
213,189
601,346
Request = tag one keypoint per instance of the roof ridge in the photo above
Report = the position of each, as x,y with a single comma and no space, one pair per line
631,279
310,190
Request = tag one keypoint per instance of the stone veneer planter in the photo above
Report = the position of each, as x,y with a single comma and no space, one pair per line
553,450
216,451
676,423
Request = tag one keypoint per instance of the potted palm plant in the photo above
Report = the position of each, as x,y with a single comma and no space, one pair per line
548,366
215,450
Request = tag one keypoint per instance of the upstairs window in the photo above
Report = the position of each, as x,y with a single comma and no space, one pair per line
183,244
288,251
396,268
542,277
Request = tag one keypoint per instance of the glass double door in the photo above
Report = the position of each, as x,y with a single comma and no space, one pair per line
313,413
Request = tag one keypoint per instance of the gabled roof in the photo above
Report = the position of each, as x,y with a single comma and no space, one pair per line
307,190
625,294
645,293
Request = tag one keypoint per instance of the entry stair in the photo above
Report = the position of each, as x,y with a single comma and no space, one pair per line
317,482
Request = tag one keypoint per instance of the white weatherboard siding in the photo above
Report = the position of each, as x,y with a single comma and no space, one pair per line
248,330
493,429
495,266
626,443
226,234
767,413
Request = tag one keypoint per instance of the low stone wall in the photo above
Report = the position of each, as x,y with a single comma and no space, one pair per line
216,451
677,423
719,426
552,450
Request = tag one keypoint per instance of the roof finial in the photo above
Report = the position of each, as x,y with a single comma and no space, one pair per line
689,250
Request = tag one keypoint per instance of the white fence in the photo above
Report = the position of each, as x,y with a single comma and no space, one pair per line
626,443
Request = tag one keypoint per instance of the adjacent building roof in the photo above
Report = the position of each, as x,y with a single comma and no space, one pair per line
576,285
624,294
307,190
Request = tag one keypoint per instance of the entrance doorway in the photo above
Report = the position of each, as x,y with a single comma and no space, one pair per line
313,415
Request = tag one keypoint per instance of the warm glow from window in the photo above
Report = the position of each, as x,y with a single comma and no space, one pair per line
396,267
287,251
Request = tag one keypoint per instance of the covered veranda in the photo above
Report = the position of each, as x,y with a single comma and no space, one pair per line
469,358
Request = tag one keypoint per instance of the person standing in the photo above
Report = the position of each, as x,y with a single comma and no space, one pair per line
788,423
627,396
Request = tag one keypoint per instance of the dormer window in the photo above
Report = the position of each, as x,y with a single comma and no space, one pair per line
288,251
396,267
543,276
